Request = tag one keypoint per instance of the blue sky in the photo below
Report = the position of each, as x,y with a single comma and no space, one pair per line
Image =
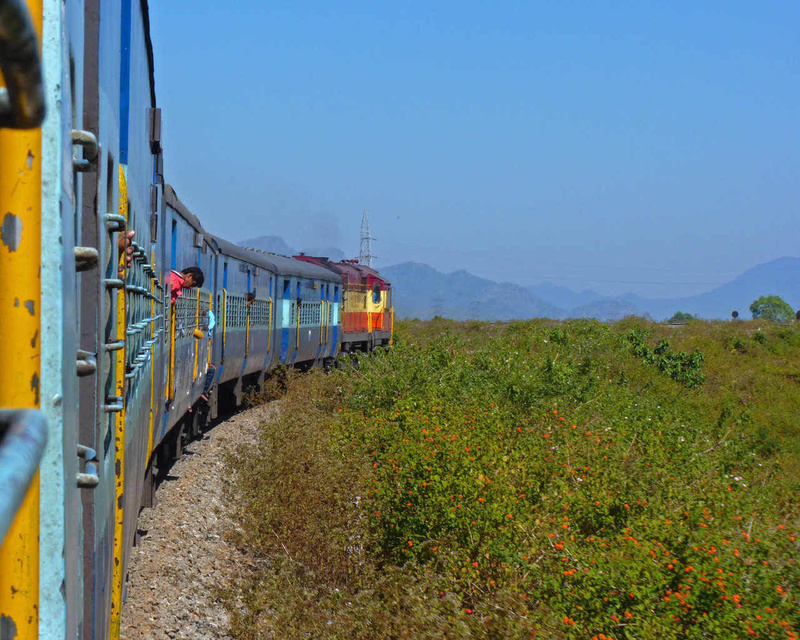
620,146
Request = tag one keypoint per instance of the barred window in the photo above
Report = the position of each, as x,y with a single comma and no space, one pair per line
236,311
186,312
259,313
310,313
144,310
205,305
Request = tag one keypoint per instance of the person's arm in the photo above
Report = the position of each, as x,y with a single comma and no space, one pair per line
125,246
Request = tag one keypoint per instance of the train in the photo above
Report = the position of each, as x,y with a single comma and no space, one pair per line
109,360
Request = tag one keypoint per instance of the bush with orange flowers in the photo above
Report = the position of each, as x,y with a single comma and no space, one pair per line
558,478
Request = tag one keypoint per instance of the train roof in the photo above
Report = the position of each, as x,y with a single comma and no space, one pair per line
348,270
280,265
364,269
172,199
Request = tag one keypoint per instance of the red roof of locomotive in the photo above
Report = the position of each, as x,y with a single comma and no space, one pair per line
352,272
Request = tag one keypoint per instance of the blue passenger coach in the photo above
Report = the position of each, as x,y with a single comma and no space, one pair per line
287,319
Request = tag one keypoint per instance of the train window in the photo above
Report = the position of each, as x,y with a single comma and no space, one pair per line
299,291
174,257
336,294
376,292
287,291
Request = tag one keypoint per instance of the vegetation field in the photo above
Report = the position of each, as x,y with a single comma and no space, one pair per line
531,479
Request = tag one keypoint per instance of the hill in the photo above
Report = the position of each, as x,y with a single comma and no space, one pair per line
423,292
779,277
564,297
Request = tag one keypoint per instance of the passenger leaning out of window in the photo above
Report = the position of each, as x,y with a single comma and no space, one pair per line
189,278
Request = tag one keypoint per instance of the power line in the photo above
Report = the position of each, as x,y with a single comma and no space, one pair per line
555,277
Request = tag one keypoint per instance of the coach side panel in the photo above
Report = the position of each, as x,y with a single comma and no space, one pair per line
187,352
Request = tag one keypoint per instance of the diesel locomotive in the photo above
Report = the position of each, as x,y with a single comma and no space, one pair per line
103,376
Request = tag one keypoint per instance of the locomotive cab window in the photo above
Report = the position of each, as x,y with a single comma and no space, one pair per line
376,292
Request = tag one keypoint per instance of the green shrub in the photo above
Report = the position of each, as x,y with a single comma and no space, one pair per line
682,367
496,481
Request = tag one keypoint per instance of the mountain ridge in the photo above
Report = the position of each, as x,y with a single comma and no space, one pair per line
422,291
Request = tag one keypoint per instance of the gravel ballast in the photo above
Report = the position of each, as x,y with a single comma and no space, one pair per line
183,558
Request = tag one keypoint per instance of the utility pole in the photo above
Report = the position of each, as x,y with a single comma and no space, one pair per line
366,256
476,305
438,304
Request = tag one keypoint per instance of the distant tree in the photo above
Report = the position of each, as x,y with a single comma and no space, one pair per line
681,317
772,308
